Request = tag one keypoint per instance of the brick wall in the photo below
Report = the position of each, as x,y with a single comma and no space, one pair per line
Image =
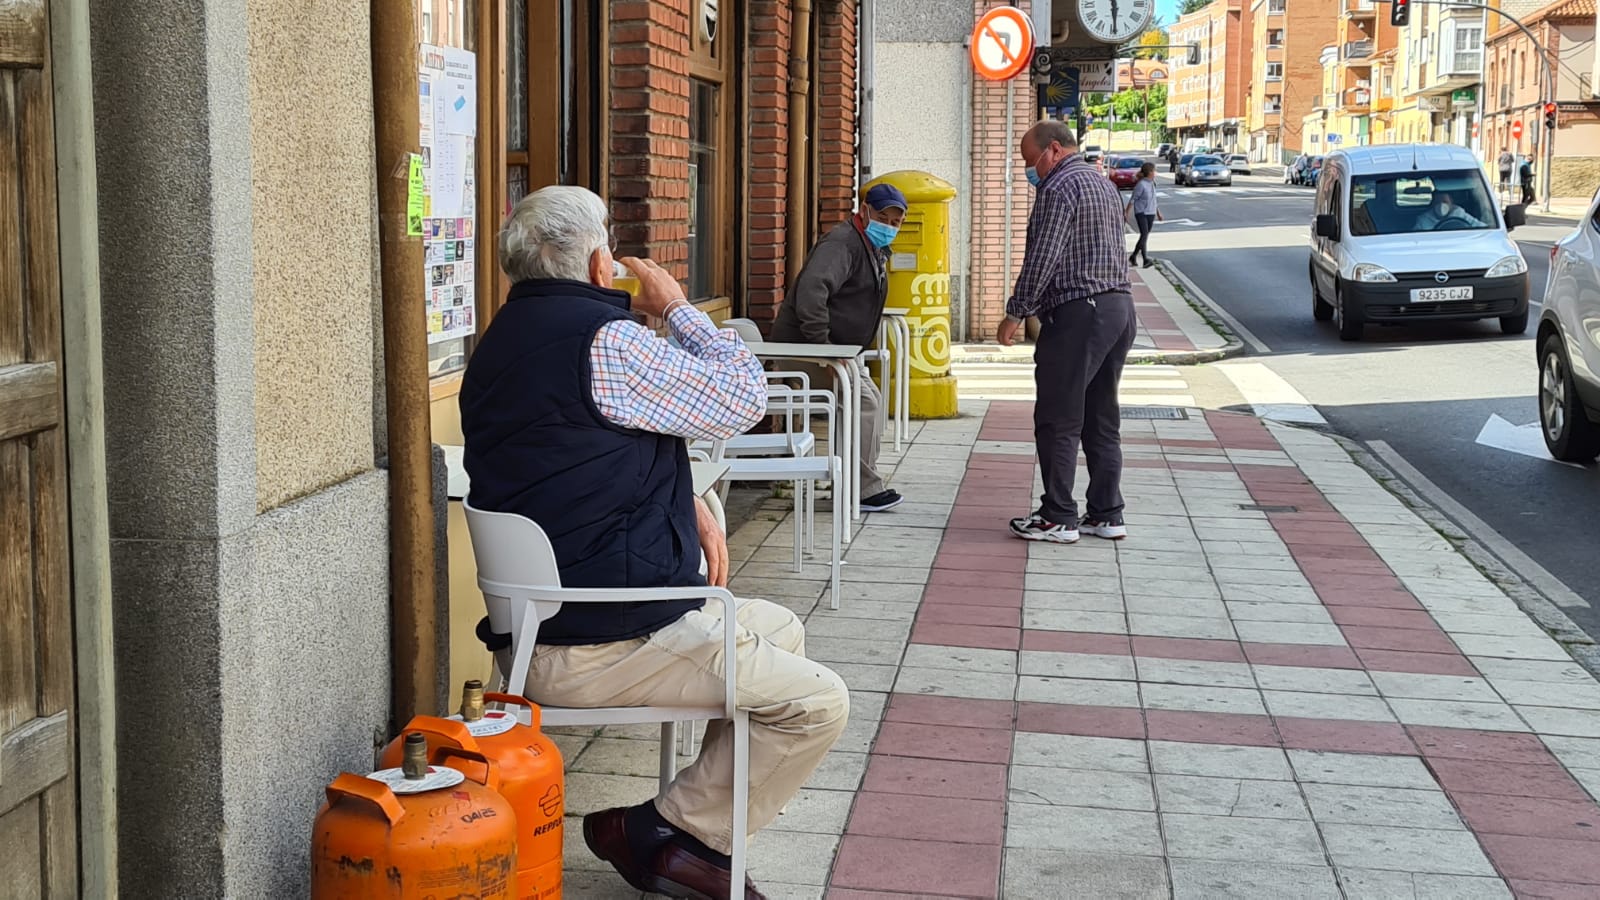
649,147
992,146
649,163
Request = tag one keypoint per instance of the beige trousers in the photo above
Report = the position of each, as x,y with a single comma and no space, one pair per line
797,707
871,425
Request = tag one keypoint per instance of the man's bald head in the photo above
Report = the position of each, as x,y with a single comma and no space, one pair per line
1043,134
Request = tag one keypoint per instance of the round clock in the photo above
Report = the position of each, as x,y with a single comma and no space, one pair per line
1115,21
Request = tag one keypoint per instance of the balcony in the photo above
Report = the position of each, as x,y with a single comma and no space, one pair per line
1357,52
1360,9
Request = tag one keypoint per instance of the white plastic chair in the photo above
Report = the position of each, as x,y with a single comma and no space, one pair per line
521,587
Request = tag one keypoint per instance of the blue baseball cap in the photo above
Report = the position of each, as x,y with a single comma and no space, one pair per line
886,196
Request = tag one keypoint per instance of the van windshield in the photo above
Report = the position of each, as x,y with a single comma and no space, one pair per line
1413,202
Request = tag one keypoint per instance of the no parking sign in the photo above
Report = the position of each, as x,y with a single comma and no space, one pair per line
1002,43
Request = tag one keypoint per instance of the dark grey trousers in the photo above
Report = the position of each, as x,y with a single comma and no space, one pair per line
1077,366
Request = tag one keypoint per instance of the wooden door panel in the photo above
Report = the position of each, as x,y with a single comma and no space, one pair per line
38,808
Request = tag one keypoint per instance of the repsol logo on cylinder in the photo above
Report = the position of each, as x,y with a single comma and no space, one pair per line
547,827
477,814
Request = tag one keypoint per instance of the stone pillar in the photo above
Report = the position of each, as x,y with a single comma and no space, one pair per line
247,523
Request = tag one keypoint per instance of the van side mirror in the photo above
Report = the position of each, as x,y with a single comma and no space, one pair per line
1516,216
1327,227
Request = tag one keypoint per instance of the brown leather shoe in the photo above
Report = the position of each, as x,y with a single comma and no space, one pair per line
679,873
607,838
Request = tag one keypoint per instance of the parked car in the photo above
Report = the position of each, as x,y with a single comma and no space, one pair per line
1409,233
1182,171
1162,150
1569,344
1238,163
1093,153
1314,171
1125,172
1208,170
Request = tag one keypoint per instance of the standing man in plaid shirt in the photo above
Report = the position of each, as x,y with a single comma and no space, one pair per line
1075,279
576,417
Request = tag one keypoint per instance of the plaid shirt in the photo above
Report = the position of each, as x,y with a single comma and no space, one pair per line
712,389
1075,245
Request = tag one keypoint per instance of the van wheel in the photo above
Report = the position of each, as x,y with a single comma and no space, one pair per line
1321,310
1568,433
1517,324
1350,326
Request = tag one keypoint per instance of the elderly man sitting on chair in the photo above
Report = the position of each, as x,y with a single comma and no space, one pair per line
576,417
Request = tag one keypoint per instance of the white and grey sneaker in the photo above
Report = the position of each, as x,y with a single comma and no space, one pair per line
1110,529
1037,528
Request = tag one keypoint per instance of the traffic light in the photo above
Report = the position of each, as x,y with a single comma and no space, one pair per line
1194,54
1400,13
1549,117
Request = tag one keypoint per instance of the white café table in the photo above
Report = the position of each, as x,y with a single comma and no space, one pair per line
841,359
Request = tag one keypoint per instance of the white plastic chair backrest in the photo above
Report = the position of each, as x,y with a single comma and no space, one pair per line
748,330
512,550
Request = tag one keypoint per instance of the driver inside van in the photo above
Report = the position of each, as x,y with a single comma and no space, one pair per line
1444,209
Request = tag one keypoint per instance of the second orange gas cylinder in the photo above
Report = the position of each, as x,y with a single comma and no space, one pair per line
530,771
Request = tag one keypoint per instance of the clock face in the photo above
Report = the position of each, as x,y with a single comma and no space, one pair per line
1115,21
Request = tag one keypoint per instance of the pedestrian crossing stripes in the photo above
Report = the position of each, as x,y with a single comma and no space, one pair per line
1141,385
1258,191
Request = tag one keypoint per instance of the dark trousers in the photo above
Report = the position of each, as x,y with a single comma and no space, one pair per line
1077,366
1141,250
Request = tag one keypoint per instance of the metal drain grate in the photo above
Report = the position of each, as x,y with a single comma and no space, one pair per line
1154,412
1257,507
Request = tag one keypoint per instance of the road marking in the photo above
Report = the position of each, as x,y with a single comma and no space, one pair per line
1234,325
1527,440
1479,530
1187,223
1270,396
1141,385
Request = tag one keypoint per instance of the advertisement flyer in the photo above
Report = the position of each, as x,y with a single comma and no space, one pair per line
447,100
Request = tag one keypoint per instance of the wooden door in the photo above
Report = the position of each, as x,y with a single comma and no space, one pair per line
38,821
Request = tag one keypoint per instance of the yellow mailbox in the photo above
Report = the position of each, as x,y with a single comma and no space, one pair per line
919,282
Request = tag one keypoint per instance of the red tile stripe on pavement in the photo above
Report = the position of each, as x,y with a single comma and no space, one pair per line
929,819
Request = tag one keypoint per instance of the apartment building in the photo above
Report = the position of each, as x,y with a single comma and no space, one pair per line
1515,90
1364,46
1285,72
1207,99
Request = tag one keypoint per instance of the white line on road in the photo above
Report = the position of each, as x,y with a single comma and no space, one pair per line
1236,326
1270,396
1480,531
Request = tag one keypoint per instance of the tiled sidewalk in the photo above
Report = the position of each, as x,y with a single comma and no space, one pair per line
1283,684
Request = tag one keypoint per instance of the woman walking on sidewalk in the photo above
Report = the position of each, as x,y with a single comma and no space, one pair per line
1143,210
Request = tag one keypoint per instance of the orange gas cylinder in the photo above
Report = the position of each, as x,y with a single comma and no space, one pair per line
416,832
530,777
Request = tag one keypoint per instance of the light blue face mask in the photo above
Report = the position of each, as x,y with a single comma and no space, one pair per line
1032,175
879,234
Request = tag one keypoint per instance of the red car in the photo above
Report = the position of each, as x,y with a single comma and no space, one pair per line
1125,172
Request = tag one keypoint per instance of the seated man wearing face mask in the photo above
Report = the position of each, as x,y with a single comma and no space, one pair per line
838,299
1444,209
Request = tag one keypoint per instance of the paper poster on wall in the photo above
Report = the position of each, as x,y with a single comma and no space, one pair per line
447,100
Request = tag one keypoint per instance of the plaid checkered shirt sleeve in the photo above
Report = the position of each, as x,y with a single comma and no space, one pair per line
711,389
1075,244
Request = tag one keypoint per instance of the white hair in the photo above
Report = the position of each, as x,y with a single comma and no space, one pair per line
552,233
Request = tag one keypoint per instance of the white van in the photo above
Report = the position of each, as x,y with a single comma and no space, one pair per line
1411,232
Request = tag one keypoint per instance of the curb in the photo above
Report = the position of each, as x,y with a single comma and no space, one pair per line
1208,310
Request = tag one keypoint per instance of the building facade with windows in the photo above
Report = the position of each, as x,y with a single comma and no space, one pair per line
1516,87
1284,75
1207,99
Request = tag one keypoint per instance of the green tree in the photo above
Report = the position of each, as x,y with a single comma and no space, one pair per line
1189,6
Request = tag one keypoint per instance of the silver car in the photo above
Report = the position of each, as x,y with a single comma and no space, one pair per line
1569,344
1208,170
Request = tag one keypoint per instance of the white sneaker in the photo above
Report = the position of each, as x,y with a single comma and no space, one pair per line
1037,528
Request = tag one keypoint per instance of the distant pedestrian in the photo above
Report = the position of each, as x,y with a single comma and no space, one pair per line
1142,209
1506,162
1525,176
1075,279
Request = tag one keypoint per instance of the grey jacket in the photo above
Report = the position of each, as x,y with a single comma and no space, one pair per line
839,296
